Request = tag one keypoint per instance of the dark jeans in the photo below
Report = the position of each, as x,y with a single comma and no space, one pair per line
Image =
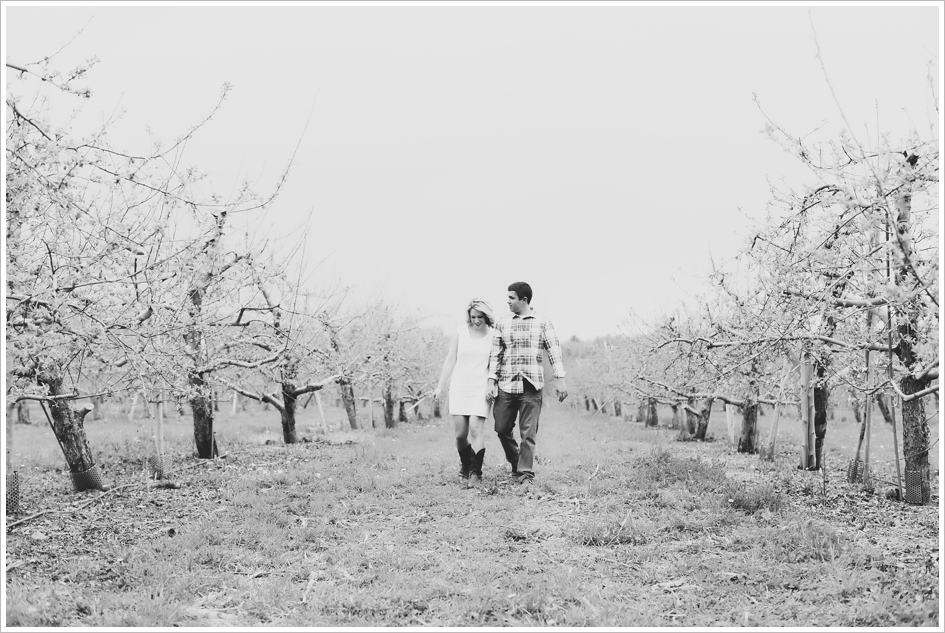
527,406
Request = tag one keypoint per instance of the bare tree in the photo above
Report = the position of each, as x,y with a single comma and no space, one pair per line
296,336
100,280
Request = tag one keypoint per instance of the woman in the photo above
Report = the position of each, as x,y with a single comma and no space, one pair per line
468,363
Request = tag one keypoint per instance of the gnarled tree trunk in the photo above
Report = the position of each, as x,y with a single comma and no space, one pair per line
821,402
748,441
649,413
347,397
68,426
201,399
688,420
287,411
915,426
389,420
201,407
702,424
691,418
915,442
678,422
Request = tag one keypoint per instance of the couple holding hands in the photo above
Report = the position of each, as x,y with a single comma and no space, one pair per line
496,364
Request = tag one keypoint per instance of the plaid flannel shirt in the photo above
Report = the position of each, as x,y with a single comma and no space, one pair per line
516,351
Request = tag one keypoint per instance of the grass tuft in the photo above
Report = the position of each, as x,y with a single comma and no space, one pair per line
809,540
662,467
608,532
751,498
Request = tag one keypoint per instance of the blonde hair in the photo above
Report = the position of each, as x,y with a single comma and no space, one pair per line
482,306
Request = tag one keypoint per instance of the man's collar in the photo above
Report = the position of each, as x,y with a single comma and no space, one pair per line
530,315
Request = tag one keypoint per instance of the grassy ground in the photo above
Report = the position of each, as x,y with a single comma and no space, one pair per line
622,527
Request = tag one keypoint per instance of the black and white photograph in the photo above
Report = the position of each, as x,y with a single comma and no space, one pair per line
456,314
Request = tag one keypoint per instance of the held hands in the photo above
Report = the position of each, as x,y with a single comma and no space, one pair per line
492,391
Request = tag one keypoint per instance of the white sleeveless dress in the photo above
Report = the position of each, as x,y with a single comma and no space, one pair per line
471,374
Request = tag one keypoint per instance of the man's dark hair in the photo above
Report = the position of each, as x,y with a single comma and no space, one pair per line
523,290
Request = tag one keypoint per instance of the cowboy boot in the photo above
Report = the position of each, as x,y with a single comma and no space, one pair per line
465,460
476,471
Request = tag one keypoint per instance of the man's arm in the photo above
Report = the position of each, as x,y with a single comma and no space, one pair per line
495,360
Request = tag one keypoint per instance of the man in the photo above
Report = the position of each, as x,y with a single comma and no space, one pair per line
516,378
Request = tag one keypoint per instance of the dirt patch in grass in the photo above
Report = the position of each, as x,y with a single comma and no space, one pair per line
622,527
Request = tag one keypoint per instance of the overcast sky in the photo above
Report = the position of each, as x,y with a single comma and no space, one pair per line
600,153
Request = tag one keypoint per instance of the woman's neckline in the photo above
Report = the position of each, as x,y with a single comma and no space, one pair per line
469,331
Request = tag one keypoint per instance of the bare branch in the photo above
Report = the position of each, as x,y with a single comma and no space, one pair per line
315,386
76,396
850,302
912,396
20,115
259,397
931,373
232,362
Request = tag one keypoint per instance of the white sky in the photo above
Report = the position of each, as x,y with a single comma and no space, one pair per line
598,152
